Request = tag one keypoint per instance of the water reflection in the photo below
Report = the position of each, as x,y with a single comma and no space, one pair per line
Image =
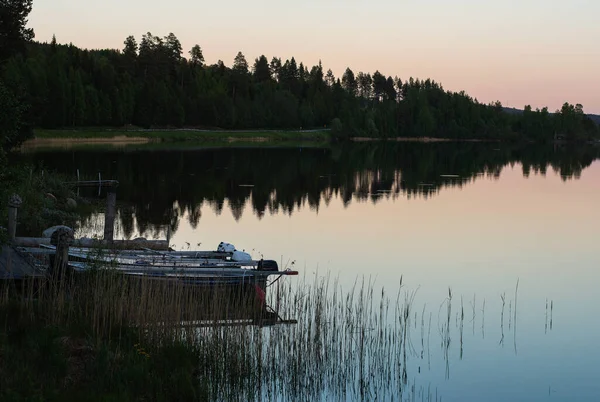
473,225
159,188
366,344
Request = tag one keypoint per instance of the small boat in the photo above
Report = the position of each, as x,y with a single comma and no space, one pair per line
226,265
208,275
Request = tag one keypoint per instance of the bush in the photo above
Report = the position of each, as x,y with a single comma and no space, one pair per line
337,129
44,198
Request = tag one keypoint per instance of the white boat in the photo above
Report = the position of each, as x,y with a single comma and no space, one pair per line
225,265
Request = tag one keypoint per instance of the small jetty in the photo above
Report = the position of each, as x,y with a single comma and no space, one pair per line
58,255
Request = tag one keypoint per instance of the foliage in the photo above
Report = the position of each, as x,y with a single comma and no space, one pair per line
10,119
13,34
152,85
337,129
44,196
40,362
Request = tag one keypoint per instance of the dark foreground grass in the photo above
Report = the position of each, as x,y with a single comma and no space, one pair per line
46,363
103,338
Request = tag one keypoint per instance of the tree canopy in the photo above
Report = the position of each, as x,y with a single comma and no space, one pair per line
149,83
13,37
13,31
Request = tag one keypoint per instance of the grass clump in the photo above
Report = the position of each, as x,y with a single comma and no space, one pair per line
101,336
47,363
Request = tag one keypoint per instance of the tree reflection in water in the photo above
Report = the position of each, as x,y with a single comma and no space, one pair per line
159,187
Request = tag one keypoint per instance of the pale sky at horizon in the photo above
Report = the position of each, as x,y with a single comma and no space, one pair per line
538,52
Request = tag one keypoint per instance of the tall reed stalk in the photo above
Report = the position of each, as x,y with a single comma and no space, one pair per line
353,344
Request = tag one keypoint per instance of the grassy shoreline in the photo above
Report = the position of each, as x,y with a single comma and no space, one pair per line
204,137
167,135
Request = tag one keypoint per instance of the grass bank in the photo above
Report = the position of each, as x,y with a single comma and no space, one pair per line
176,135
99,337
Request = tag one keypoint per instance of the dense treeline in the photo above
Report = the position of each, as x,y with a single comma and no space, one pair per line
152,84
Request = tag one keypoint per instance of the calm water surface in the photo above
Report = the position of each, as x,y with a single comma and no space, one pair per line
477,219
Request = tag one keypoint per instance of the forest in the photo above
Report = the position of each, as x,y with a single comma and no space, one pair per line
153,83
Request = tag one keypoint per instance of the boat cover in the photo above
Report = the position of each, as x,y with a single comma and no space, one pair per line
226,248
241,256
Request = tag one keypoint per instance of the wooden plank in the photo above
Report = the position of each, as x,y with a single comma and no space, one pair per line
127,244
36,250
144,253
94,183
14,266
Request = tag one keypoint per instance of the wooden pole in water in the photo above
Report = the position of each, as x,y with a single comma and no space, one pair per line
14,202
62,239
109,216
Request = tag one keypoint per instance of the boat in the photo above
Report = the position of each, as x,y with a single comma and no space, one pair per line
226,265
212,275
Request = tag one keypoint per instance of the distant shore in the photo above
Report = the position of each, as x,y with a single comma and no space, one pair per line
422,139
122,137
143,136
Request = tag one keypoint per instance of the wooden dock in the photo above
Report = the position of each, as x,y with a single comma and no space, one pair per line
13,265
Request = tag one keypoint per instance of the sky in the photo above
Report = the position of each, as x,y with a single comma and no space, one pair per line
536,52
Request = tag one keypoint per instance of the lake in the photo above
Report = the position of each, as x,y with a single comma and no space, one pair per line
510,232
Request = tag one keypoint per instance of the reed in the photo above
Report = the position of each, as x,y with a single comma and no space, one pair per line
147,337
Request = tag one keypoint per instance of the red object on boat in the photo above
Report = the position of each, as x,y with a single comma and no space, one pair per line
260,294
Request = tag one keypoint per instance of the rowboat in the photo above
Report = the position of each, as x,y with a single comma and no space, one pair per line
209,275
226,265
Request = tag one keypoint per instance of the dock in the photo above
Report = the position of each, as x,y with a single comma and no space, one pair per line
31,263
16,266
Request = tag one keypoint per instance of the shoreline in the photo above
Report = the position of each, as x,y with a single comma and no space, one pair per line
123,138
422,139
66,138
61,141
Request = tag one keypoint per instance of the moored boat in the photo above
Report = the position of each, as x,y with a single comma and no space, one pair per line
226,265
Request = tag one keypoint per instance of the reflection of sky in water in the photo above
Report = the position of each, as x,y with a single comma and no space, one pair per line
478,240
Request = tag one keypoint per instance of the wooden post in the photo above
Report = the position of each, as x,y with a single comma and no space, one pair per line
14,202
62,239
169,228
169,234
109,215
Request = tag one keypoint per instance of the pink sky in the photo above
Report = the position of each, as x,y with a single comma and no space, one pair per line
538,52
